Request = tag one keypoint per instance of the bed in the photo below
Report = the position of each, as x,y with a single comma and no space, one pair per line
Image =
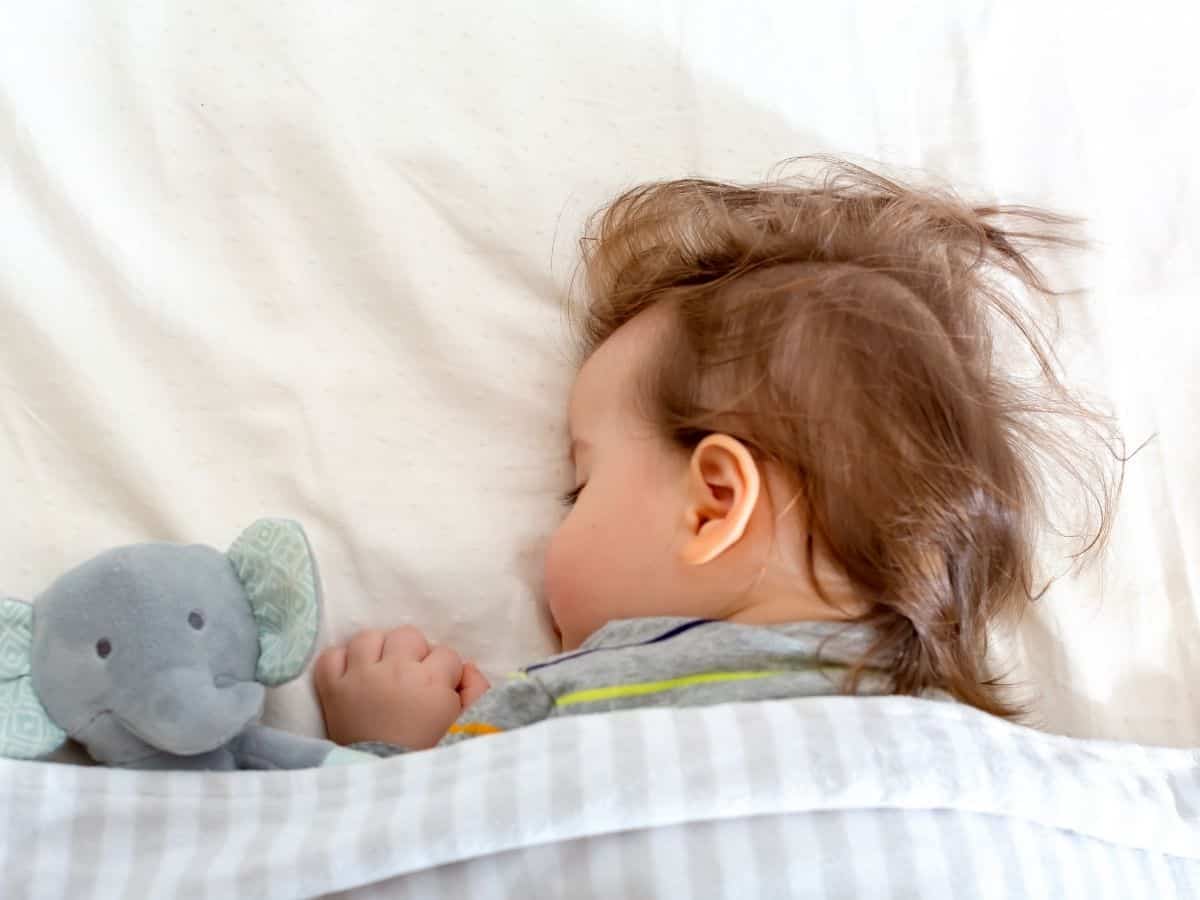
310,263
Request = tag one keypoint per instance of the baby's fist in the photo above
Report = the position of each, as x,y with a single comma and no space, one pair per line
392,686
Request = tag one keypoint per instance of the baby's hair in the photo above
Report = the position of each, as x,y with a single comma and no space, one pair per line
844,326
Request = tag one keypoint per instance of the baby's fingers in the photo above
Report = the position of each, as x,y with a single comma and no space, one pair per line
406,642
365,648
446,666
474,685
330,666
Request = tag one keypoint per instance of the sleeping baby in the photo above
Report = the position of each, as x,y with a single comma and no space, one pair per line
798,467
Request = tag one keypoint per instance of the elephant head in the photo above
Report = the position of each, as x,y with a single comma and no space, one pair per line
155,648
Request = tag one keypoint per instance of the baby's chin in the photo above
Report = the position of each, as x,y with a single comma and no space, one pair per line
568,642
566,634
569,625
569,639
560,641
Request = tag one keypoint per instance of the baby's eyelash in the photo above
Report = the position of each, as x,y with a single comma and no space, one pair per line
569,498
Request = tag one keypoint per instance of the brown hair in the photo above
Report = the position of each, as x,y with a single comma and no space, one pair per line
844,327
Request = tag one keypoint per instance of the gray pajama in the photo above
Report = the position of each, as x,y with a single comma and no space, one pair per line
668,661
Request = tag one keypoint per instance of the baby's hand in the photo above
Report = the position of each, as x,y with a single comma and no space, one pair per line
390,686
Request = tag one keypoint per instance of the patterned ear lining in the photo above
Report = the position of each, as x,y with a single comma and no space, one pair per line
276,567
16,638
26,730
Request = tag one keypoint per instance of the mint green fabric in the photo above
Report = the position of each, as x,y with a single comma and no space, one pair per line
26,731
276,567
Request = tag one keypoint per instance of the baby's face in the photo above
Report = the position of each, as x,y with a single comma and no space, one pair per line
614,556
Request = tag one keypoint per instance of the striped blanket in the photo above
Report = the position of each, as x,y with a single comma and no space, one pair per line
817,797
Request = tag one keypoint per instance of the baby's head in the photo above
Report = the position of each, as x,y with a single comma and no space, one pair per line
790,409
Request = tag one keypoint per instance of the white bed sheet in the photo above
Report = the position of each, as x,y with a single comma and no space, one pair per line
818,797
307,261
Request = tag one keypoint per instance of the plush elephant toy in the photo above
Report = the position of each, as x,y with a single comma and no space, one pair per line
155,656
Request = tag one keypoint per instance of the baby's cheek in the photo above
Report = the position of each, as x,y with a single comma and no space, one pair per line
570,582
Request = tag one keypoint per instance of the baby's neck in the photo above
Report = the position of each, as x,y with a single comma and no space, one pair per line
776,604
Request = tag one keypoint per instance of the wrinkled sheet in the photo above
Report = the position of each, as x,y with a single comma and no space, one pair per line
308,260
818,797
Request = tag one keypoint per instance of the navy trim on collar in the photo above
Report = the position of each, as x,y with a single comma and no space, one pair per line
678,629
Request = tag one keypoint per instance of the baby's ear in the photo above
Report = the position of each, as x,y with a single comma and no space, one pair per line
26,729
275,564
723,486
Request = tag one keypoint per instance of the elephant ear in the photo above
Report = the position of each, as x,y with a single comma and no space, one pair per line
26,729
275,565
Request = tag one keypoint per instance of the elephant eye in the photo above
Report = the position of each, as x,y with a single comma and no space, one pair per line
103,647
196,620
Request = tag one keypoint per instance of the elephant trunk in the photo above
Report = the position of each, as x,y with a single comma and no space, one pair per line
182,711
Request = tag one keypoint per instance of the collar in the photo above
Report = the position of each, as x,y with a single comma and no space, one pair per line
836,641
850,637
632,631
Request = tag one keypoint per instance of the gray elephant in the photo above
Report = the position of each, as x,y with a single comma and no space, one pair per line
155,656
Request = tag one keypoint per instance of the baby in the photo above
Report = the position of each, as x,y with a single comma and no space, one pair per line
798,467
